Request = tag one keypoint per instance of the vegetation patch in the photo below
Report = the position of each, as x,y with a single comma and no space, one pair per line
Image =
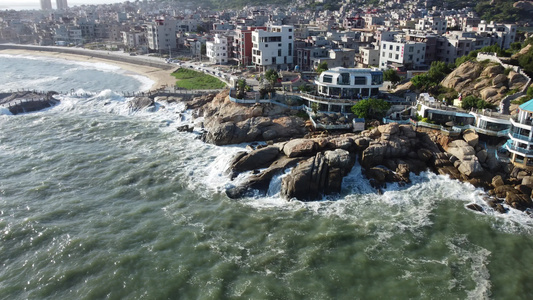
192,80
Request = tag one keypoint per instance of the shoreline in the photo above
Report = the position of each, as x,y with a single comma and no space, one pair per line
161,77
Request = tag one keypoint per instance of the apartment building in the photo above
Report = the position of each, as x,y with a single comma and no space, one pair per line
273,48
402,54
368,56
242,45
501,34
336,58
217,50
161,35
438,25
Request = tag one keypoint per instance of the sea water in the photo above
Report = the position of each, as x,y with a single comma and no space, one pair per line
97,201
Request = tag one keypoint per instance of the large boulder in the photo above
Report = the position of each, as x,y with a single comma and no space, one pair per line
470,167
518,200
488,92
466,71
300,147
259,158
460,149
471,137
317,176
516,80
492,70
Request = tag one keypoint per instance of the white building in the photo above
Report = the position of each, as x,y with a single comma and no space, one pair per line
161,35
436,24
133,39
402,54
349,83
274,48
341,88
501,34
521,137
217,50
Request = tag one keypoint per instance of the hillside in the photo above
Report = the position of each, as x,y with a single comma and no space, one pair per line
485,80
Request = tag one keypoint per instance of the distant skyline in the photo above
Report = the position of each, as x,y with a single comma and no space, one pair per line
36,4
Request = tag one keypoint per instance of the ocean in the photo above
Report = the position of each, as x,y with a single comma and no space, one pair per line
97,201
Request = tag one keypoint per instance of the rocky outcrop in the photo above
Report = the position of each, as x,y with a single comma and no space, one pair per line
27,101
232,123
140,103
487,81
317,176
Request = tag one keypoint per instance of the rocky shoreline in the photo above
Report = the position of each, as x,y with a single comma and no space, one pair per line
319,161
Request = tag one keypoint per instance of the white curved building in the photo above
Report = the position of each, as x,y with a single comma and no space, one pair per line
347,83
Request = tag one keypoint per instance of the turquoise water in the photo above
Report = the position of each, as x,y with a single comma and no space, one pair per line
97,202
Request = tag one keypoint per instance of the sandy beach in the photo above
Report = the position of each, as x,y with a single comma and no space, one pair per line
161,77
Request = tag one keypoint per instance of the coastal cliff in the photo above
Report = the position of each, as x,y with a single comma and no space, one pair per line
317,162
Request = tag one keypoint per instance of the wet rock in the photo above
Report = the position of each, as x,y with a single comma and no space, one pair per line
300,147
474,207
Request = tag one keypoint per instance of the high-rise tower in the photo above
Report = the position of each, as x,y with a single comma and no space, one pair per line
46,4
61,4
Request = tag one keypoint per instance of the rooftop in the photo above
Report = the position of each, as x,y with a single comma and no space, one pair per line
527,106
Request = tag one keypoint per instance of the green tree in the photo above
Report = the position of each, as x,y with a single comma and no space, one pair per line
371,108
422,82
241,88
323,66
272,77
391,75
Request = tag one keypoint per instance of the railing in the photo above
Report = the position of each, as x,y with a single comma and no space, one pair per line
387,121
520,137
518,149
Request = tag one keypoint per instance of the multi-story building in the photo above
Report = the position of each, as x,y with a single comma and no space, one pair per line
61,4
435,24
400,54
133,39
368,56
501,34
520,144
341,88
242,45
217,50
46,4
349,83
274,48
336,58
161,35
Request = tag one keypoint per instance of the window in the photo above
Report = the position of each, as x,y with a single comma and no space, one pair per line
359,80
390,55
411,48
383,54
279,52
397,56
290,37
390,47
327,79
384,47
397,48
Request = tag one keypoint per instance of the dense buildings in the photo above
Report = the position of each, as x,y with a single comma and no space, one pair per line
408,35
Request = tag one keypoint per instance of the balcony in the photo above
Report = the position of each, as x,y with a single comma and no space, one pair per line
519,136
519,150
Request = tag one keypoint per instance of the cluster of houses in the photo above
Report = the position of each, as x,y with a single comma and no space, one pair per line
405,36
357,43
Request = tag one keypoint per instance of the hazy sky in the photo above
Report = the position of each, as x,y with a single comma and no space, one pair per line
36,4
